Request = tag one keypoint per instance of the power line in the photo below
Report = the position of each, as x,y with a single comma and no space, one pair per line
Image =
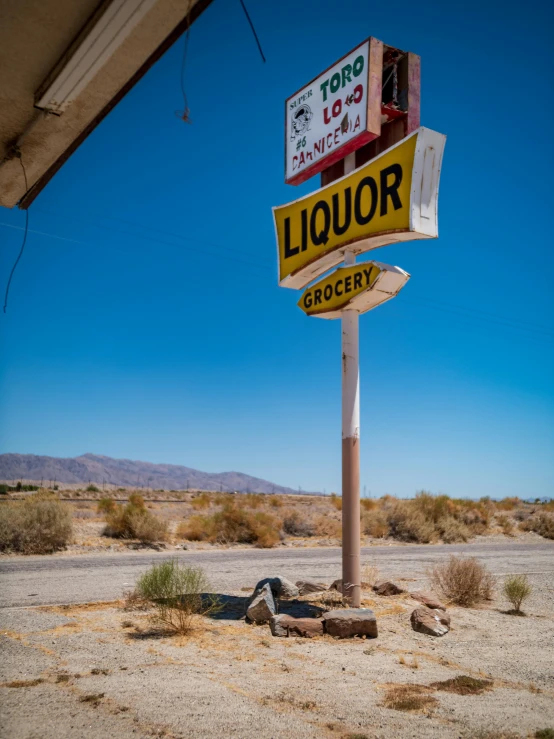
225,250
503,322
472,314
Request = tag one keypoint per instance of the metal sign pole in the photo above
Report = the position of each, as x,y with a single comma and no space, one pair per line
351,573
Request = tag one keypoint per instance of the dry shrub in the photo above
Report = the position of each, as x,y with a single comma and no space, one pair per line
195,528
134,521
106,505
251,500
409,698
336,502
370,574
201,501
433,507
463,685
517,589
296,525
329,527
506,524
275,501
375,524
369,504
175,591
408,523
233,525
463,580
24,683
452,530
543,524
507,504
38,525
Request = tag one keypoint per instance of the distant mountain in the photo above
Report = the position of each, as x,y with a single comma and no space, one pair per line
127,473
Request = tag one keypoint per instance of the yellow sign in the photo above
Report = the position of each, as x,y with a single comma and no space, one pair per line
359,287
392,198
337,290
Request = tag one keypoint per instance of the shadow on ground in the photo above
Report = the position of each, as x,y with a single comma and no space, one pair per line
233,607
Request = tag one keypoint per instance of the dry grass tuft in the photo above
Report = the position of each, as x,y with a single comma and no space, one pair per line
370,574
92,698
336,501
464,685
463,580
200,502
24,683
413,698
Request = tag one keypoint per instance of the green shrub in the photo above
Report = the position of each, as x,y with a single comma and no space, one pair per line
517,589
38,525
92,489
175,591
463,580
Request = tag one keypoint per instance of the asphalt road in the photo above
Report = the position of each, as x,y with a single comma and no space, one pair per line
47,580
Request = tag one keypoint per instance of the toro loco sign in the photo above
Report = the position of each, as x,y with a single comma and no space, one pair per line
330,117
392,198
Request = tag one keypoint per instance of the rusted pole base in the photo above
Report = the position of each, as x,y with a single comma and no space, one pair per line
351,574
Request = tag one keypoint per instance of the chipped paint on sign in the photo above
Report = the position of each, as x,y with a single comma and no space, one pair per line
359,287
392,198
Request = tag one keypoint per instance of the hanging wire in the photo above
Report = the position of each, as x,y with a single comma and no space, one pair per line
24,236
253,29
184,114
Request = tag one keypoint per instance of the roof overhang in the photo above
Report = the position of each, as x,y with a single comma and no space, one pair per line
64,65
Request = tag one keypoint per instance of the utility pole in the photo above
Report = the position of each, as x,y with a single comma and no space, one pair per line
351,572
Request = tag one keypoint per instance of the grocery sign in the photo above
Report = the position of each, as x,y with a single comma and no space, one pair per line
331,117
392,198
360,287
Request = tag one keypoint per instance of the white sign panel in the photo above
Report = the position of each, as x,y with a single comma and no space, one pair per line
328,118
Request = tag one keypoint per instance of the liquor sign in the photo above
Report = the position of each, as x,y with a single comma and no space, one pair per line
360,287
392,198
334,114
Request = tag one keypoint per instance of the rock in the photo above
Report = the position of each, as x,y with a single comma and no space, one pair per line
349,622
428,599
336,585
430,621
308,586
262,606
284,625
387,588
280,587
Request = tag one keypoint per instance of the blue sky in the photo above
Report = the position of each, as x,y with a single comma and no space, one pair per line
145,320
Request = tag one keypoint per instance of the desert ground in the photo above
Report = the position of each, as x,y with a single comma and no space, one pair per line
90,669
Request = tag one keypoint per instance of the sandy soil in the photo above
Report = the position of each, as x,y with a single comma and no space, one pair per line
103,674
